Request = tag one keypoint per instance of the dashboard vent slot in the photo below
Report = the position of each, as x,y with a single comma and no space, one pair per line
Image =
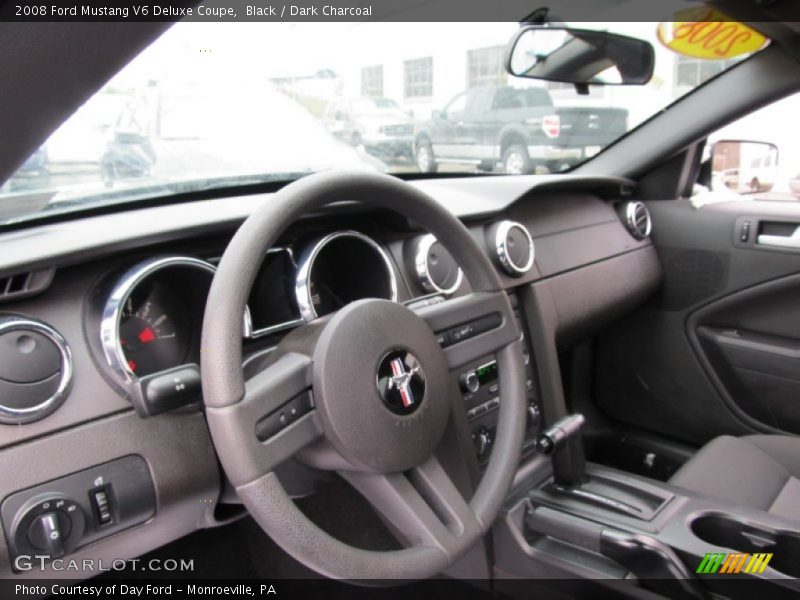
637,220
15,283
23,285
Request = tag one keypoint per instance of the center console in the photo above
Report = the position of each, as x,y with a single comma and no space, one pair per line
610,526
480,390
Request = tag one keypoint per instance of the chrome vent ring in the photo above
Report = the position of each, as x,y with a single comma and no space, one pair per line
513,247
36,373
637,220
436,269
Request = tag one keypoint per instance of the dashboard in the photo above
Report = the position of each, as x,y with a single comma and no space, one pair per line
100,334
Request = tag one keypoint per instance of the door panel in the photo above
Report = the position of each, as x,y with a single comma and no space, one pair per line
718,350
750,343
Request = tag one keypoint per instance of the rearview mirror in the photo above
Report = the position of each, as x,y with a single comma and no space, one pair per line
579,56
744,167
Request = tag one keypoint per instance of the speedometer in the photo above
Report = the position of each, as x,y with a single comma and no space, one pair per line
340,268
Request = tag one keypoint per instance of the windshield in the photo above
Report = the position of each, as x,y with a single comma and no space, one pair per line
226,104
373,106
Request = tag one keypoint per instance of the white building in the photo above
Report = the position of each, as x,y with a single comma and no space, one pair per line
445,59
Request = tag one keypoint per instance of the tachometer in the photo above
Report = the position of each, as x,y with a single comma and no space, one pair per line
151,319
149,336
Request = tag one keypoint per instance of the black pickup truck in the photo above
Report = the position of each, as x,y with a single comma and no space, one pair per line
519,128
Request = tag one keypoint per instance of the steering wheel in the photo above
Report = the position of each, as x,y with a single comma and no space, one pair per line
375,390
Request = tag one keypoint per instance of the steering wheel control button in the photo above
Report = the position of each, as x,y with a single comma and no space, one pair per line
171,389
469,330
401,382
287,414
463,332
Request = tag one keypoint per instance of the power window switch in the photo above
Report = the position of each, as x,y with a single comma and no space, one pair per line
102,505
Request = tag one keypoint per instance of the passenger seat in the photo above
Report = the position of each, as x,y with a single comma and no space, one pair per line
758,471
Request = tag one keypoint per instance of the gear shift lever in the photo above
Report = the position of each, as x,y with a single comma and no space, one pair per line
562,441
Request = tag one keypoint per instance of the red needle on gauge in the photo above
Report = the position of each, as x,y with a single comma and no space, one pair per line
146,335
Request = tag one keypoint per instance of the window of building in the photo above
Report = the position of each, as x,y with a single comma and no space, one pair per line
694,71
485,66
372,81
418,82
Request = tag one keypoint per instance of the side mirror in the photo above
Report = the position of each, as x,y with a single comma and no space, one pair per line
744,167
579,56
437,114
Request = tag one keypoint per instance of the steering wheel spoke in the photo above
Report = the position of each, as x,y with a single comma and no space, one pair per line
422,505
275,419
471,326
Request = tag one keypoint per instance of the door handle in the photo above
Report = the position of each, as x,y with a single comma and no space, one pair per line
781,241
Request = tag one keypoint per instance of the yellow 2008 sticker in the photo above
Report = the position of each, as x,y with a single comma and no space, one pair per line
709,34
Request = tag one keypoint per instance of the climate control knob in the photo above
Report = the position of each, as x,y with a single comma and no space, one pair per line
469,382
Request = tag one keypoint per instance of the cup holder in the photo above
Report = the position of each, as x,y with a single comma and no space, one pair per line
745,536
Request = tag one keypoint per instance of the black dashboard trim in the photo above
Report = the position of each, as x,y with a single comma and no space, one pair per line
93,236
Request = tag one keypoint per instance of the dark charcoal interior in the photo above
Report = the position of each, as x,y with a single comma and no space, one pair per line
584,386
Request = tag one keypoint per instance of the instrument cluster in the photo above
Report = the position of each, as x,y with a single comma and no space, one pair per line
152,316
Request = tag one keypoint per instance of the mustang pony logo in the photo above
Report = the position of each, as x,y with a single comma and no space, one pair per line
401,380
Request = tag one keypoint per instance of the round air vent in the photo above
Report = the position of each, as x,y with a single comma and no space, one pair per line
436,269
513,247
35,369
637,219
